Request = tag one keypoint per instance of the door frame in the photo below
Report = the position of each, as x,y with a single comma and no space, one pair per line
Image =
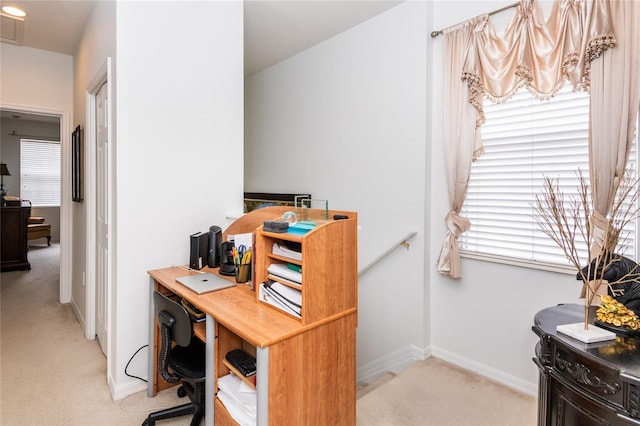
104,75
66,240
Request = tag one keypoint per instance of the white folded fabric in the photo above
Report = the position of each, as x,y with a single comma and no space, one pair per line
235,410
240,393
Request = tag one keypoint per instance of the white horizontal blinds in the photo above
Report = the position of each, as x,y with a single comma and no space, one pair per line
40,172
525,139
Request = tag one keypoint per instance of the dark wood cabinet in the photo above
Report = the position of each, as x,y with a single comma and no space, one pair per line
13,233
585,384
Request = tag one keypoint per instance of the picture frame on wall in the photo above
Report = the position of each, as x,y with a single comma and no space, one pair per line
256,200
76,165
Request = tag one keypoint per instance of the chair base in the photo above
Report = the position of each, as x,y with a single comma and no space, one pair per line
195,393
181,410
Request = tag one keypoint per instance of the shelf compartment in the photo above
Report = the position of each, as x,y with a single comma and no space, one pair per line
200,330
272,302
281,271
221,415
284,258
227,341
286,282
281,250
251,380
287,236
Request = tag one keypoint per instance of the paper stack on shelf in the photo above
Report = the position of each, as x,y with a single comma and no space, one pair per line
285,298
238,398
286,252
283,271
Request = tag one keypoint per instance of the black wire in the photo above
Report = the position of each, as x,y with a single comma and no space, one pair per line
131,359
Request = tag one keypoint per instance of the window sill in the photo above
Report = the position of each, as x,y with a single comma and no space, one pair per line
550,267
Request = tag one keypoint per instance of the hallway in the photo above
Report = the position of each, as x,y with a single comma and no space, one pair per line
50,374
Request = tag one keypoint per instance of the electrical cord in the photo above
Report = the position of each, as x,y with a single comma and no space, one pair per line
139,410
129,362
123,400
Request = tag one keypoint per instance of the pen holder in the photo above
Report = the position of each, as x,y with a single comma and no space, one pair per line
243,272
227,259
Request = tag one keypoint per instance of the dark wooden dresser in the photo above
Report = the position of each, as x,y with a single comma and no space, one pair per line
583,384
13,233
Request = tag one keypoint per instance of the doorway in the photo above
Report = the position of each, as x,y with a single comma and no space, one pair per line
98,198
20,122
102,214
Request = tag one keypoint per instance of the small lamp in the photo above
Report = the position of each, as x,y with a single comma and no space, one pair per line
3,172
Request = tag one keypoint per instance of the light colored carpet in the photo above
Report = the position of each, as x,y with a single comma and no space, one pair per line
436,393
50,375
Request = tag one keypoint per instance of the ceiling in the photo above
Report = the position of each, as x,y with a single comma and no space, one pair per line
274,30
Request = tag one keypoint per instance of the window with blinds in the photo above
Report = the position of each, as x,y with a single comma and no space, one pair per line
40,172
525,140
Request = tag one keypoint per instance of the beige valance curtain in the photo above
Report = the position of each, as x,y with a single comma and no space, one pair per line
534,53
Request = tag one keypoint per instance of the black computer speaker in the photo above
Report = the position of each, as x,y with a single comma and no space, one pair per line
215,240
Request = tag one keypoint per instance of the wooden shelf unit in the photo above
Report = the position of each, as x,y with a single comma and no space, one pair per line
311,365
329,266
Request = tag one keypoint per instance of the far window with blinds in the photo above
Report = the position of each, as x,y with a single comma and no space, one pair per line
40,172
524,140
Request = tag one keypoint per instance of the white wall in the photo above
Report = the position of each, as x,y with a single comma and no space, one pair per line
40,81
345,121
179,139
35,79
358,120
97,44
179,153
483,320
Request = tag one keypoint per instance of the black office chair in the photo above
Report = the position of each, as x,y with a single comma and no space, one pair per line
186,360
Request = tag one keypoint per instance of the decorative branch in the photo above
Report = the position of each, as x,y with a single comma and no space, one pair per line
567,221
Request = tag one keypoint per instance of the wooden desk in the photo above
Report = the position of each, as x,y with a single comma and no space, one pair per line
14,236
305,367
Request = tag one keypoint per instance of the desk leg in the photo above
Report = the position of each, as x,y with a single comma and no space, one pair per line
262,386
151,352
210,371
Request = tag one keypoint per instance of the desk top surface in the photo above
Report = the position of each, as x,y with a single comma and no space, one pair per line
622,353
237,309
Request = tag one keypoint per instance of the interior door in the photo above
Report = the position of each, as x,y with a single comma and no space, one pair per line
102,215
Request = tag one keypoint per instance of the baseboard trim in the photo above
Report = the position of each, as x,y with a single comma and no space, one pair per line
78,314
394,362
125,390
486,371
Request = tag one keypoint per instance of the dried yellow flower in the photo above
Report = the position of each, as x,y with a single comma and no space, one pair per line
613,312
